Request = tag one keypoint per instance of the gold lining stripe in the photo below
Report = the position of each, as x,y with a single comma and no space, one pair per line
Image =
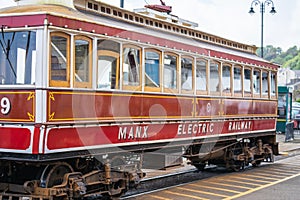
31,116
110,93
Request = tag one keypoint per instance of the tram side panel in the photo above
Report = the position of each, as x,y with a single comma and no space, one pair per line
17,107
143,119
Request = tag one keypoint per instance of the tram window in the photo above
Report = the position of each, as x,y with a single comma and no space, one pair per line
170,71
214,79
265,83
131,66
59,60
201,74
247,81
152,68
256,81
108,64
187,74
226,78
83,62
273,84
17,58
237,79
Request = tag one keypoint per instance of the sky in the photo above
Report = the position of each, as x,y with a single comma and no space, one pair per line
230,19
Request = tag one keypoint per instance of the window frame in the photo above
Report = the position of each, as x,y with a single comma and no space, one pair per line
225,91
218,91
114,55
275,85
60,83
166,89
238,94
207,82
110,53
132,87
251,81
149,88
90,57
257,95
265,94
185,91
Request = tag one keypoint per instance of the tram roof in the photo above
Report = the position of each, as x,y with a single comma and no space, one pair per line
211,48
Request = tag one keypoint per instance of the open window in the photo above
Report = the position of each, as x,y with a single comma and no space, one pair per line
170,72
131,67
152,70
18,58
214,77
257,82
108,64
83,62
201,76
59,60
187,81
237,80
265,84
226,79
247,82
273,85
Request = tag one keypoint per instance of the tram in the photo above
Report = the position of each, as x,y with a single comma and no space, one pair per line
88,90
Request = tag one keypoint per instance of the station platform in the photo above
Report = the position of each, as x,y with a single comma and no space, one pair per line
290,145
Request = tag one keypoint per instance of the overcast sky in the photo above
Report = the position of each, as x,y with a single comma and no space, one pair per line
230,19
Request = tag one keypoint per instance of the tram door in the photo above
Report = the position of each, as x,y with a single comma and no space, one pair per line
284,108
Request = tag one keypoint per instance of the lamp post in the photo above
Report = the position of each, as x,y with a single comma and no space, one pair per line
262,5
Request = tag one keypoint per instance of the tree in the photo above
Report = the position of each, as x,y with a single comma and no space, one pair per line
290,58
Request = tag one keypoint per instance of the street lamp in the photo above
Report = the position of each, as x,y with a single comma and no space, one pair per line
263,5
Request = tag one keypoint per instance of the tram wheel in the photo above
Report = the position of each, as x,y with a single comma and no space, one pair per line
237,165
256,163
200,166
232,162
54,174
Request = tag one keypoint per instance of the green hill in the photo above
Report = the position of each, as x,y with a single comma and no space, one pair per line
290,58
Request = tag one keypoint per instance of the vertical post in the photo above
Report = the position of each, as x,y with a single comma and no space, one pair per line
263,5
122,3
262,29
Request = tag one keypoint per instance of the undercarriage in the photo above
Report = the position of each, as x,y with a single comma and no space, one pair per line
72,179
233,155
111,175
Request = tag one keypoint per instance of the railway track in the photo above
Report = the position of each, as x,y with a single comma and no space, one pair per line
163,182
157,183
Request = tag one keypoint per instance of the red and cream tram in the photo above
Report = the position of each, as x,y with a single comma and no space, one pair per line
87,90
